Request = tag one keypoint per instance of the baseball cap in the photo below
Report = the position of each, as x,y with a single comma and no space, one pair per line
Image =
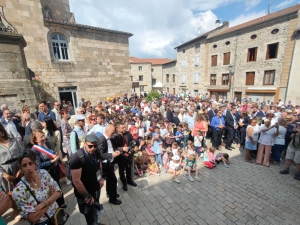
79,117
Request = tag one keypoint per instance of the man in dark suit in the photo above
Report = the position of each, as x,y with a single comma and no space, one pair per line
231,126
26,123
170,113
108,156
122,139
261,113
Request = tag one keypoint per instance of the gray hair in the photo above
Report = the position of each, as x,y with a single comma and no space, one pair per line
3,106
36,125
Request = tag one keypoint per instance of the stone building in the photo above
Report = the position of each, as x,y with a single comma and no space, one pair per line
170,77
71,59
251,60
148,73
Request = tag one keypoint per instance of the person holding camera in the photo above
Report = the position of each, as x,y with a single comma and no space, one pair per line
108,155
122,140
86,170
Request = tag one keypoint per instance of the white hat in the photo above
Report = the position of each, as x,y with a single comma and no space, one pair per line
79,117
175,157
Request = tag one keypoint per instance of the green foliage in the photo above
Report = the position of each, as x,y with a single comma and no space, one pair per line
153,95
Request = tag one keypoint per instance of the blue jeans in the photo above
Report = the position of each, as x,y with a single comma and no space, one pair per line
92,216
185,139
158,159
276,152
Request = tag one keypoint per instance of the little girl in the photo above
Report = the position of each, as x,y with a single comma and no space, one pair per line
186,134
152,166
190,148
167,158
208,157
198,142
222,157
174,167
191,166
170,136
138,160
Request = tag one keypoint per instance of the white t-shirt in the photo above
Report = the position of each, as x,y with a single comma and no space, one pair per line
255,132
267,138
280,139
173,165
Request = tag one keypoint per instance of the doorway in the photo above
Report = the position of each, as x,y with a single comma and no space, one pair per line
238,96
69,94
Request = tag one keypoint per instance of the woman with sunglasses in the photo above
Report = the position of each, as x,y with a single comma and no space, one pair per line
46,159
40,184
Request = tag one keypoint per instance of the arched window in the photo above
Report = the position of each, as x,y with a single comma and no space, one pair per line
59,47
46,12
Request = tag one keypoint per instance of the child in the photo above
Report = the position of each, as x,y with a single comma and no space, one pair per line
191,166
167,158
186,135
174,167
181,156
152,167
198,143
224,157
170,136
157,149
190,148
138,160
208,157
179,134
174,148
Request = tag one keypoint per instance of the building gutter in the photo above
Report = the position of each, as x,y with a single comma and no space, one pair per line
234,64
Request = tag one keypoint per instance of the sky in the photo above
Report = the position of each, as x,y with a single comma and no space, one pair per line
158,26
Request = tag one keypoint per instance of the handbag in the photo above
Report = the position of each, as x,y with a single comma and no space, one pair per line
60,217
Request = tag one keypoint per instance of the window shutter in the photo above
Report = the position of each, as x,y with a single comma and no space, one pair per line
196,78
268,52
272,79
183,62
255,52
183,78
197,61
252,77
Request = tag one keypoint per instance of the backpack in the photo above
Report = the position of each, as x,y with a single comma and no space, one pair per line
68,170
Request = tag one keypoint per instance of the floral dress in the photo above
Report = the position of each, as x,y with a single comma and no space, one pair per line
25,201
66,129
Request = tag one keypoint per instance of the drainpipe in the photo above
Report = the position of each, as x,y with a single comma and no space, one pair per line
232,85
288,81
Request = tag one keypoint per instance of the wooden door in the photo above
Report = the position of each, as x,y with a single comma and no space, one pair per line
238,95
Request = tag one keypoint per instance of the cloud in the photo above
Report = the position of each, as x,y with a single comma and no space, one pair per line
158,25
244,18
284,4
251,3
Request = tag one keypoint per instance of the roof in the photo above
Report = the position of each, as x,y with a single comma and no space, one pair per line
50,20
153,61
171,61
287,11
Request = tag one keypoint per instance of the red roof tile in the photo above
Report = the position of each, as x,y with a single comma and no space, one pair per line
153,61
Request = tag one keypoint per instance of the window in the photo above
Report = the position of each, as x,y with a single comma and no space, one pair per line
213,78
142,88
167,78
252,52
153,82
250,76
174,91
59,47
225,79
197,48
253,36
227,43
197,59
183,78
272,50
141,78
214,60
173,78
46,12
183,51
215,46
223,95
196,93
196,78
226,58
269,77
168,90
183,62
152,70
140,68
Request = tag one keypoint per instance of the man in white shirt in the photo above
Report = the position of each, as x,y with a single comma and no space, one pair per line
56,111
147,107
9,126
181,115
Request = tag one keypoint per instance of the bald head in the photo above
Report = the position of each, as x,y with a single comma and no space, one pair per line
109,130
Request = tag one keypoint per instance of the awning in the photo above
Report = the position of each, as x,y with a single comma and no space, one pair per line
158,85
261,90
218,90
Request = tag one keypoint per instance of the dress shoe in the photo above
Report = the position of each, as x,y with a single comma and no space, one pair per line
231,147
132,183
228,148
117,196
125,188
116,202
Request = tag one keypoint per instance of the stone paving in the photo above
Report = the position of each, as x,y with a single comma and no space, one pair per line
243,193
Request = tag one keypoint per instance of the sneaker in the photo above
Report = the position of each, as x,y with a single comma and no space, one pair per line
191,179
176,180
68,182
158,174
297,176
197,178
225,165
285,171
186,175
201,156
160,166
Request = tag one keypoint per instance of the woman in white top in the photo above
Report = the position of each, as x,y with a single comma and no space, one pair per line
252,133
266,141
279,140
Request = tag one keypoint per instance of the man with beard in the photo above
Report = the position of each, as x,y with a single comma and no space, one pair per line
122,140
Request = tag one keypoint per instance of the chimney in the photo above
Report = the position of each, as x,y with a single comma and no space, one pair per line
218,22
225,24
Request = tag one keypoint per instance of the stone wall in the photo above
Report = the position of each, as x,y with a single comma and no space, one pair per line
16,89
145,72
170,68
60,9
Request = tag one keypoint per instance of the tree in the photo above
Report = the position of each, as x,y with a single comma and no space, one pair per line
153,95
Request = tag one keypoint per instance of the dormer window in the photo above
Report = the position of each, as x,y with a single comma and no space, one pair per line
46,12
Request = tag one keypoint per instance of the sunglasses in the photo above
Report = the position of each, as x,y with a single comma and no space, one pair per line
57,105
91,146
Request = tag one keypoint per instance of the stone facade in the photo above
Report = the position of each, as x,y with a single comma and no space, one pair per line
141,72
16,89
98,65
170,77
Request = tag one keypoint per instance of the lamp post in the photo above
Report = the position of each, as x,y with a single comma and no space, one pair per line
231,73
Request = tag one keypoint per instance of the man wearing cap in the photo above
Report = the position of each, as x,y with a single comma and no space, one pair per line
86,170
108,155
77,135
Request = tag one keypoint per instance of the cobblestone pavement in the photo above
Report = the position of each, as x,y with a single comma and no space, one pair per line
243,193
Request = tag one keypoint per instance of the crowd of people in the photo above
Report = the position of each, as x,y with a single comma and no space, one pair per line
140,137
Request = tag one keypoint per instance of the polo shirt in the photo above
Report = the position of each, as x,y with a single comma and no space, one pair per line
42,116
190,120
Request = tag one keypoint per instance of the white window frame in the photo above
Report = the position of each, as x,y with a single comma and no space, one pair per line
196,78
140,68
183,62
183,78
142,88
197,60
60,46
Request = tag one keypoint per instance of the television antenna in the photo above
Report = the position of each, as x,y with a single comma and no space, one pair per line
270,3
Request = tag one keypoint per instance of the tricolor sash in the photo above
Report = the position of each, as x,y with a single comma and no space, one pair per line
45,151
